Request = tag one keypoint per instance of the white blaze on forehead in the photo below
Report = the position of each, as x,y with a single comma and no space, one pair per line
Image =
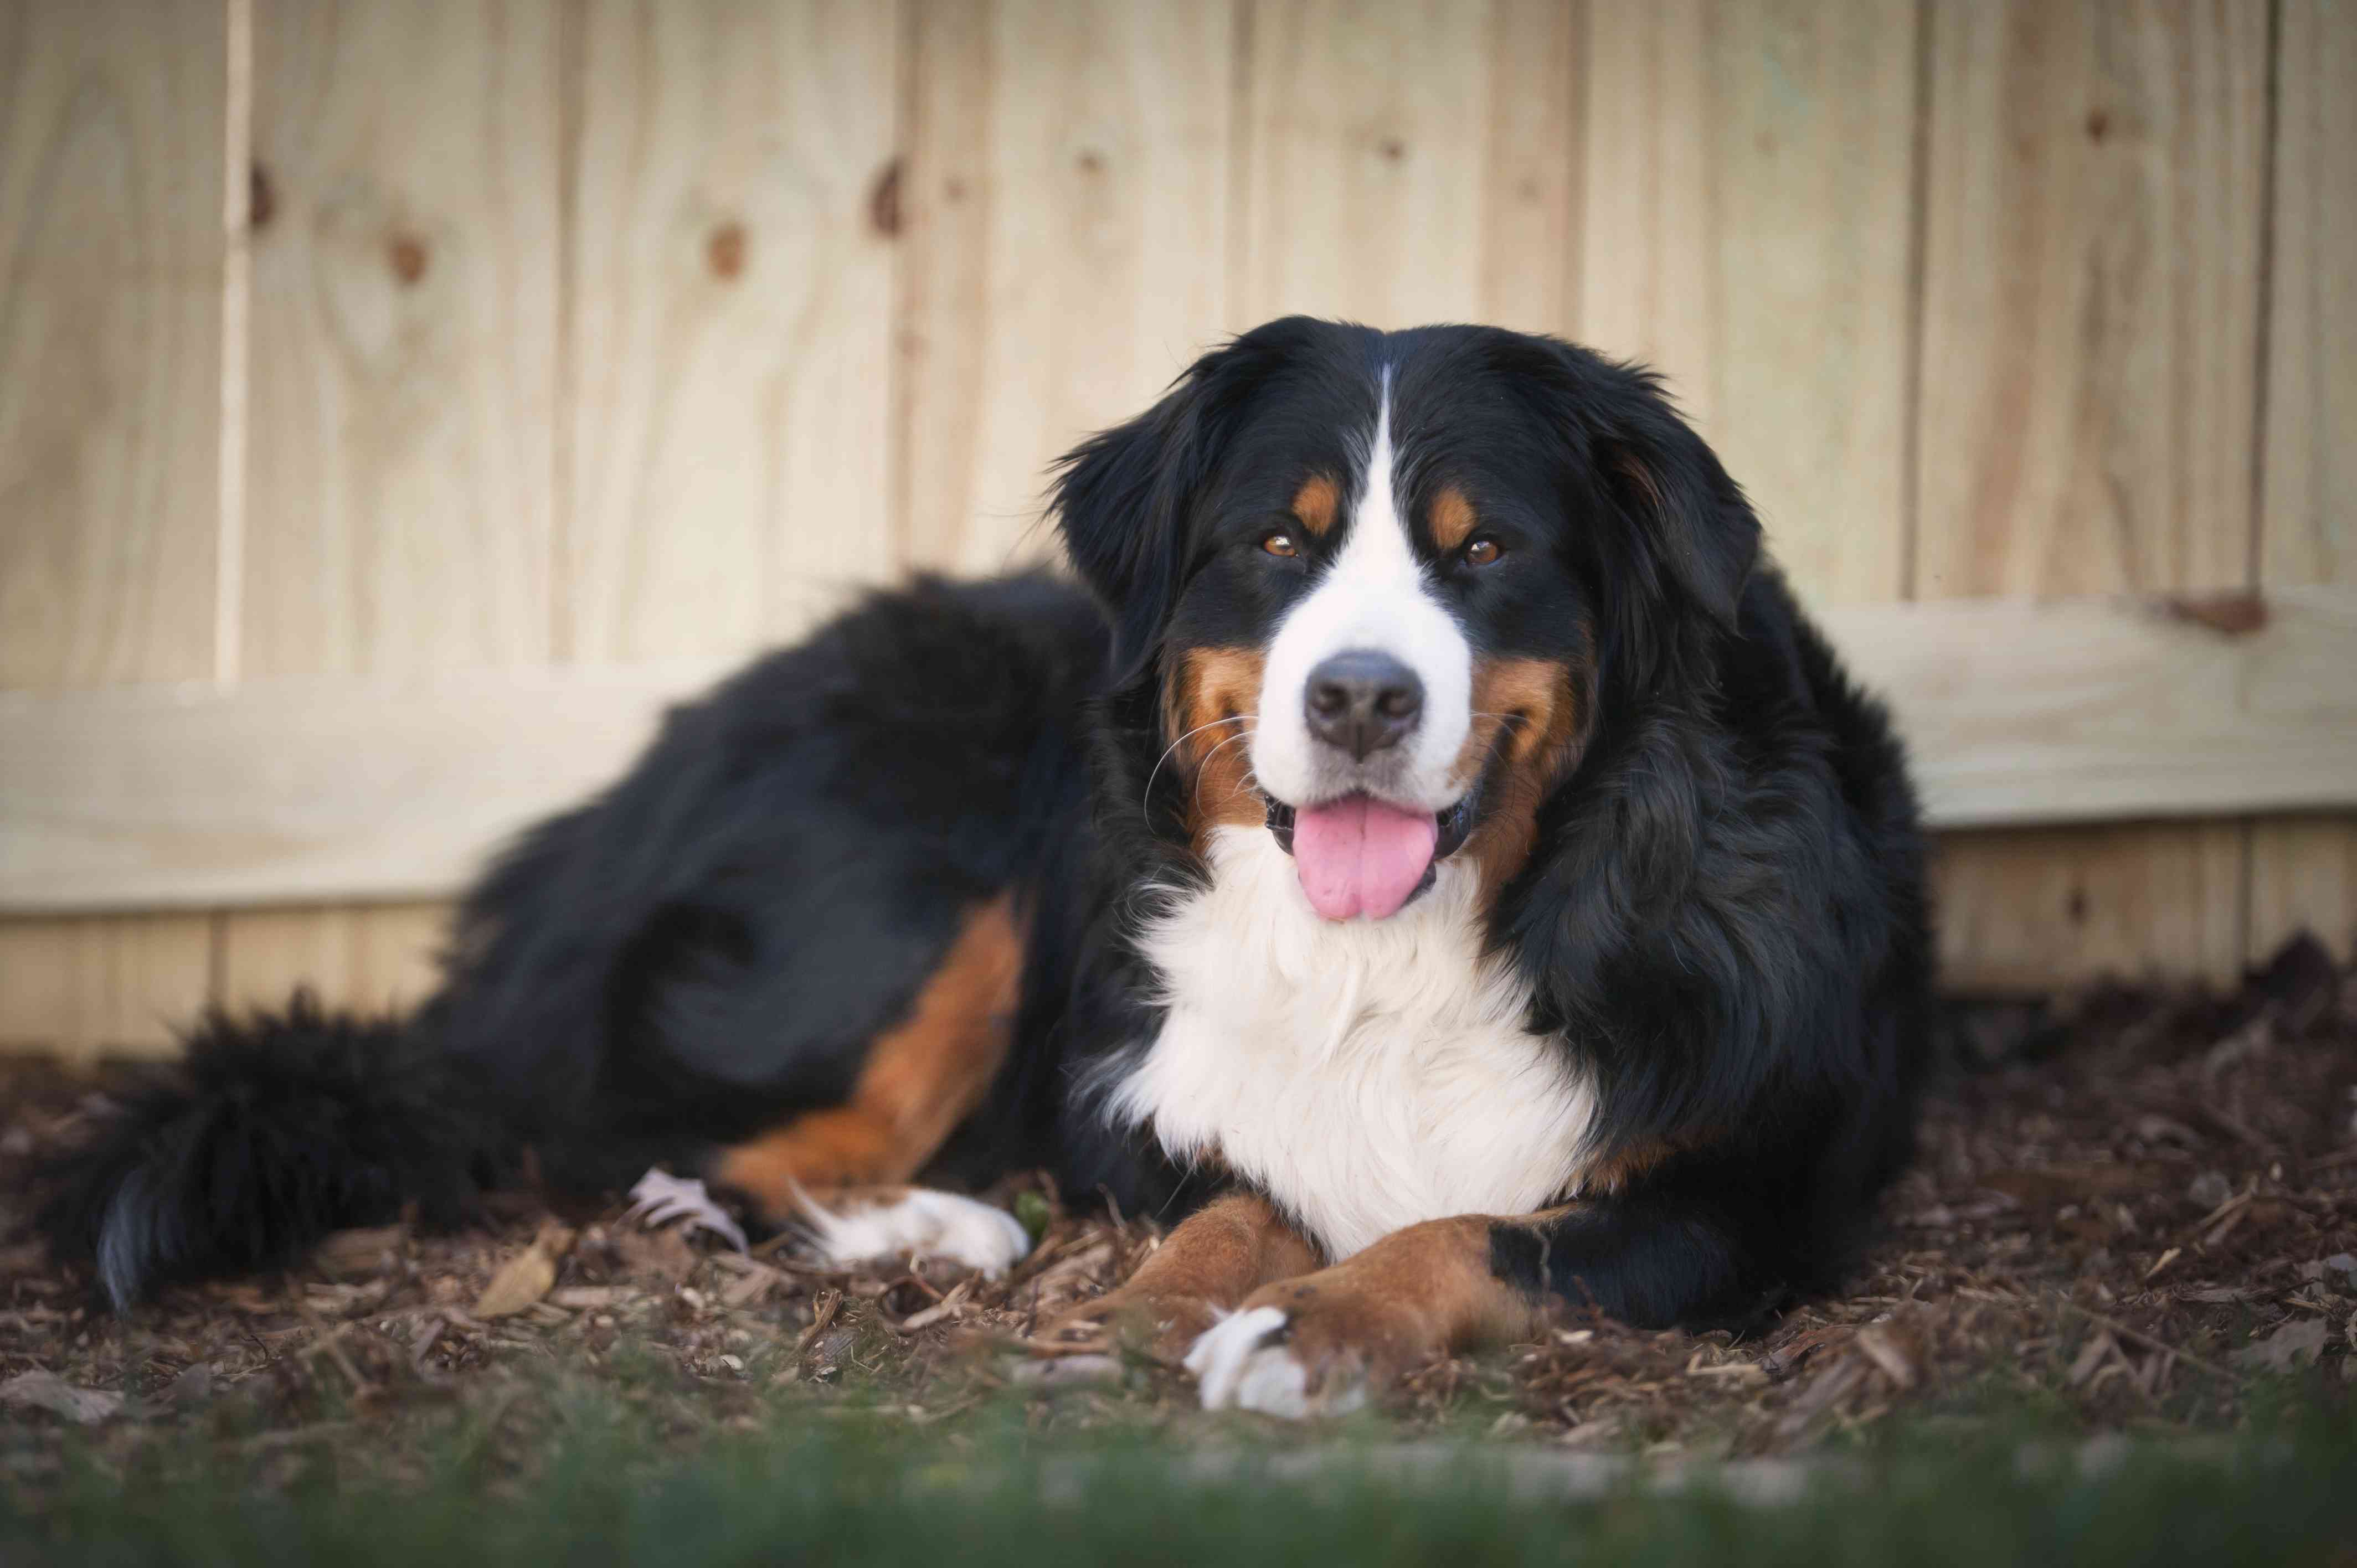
1376,596
1379,552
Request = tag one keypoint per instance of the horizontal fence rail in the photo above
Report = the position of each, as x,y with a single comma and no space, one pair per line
314,788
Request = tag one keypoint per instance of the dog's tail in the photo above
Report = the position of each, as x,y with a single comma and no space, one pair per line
276,1129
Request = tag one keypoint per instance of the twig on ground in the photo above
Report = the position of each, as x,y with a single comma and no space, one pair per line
2148,1341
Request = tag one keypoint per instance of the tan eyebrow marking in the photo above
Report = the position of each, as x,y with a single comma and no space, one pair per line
1452,519
1316,502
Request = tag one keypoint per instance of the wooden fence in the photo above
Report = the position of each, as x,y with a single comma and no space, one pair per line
399,398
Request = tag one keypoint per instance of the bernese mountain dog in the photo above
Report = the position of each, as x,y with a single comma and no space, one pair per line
1434,866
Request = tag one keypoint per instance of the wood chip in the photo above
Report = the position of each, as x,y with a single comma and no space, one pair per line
2098,1349
1063,1372
757,1281
822,1311
593,1298
1881,1346
950,1306
360,1252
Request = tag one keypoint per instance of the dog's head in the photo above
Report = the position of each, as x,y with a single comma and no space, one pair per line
1381,582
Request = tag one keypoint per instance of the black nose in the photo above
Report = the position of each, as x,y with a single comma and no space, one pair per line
1364,701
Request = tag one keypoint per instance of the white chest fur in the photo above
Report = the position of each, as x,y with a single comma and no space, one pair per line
1368,1075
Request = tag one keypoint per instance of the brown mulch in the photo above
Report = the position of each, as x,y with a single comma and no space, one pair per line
2132,1205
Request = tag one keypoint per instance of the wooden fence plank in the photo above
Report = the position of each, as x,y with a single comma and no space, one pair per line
2309,527
329,787
111,123
729,321
109,340
2303,877
2304,872
401,425
1531,166
375,959
103,984
2091,285
2089,338
1408,161
1066,207
2099,896
1746,231
404,336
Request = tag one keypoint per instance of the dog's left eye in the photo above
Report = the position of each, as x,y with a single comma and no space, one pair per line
1481,552
1281,544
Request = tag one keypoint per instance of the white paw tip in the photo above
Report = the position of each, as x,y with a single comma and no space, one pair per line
924,1223
1238,1369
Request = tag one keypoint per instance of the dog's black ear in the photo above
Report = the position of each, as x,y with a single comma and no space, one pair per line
1688,541
1124,499
1120,501
1692,518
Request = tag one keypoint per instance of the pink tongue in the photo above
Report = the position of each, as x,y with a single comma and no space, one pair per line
1359,856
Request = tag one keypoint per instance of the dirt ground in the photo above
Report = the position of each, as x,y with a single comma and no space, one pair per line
2130,1207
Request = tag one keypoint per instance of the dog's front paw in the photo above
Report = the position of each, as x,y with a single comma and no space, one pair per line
1323,1344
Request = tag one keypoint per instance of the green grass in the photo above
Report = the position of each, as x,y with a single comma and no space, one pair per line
594,1478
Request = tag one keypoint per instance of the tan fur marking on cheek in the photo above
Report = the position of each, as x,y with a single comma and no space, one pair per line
922,1077
1452,519
1316,502
1214,703
1543,702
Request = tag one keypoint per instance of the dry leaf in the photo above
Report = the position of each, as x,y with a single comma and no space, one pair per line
526,1277
2295,1343
49,1391
522,1280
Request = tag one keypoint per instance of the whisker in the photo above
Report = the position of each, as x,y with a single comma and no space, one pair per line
1147,797
1205,769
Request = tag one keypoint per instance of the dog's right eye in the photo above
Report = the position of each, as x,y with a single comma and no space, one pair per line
1280,543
